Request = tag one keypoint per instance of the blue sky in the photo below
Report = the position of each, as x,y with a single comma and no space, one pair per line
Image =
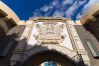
73,9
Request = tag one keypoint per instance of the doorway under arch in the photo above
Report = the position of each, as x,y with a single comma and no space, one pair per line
49,56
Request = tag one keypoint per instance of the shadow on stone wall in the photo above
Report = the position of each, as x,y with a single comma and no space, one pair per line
8,44
2,35
7,48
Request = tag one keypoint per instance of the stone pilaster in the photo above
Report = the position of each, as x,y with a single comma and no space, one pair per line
79,45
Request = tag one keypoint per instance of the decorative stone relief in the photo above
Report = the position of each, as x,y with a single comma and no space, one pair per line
50,33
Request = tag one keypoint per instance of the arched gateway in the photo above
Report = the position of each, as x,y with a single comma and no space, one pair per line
50,54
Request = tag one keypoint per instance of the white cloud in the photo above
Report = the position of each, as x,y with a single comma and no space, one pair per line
64,8
58,14
37,13
80,15
54,3
67,2
69,12
44,8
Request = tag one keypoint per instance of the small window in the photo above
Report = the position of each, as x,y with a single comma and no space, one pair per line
92,48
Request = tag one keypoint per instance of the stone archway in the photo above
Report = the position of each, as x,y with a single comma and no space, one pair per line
48,47
59,51
49,52
59,54
44,56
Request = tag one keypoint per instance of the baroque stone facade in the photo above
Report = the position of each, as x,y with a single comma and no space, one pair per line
43,40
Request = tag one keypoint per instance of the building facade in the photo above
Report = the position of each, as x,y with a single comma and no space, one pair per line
48,41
